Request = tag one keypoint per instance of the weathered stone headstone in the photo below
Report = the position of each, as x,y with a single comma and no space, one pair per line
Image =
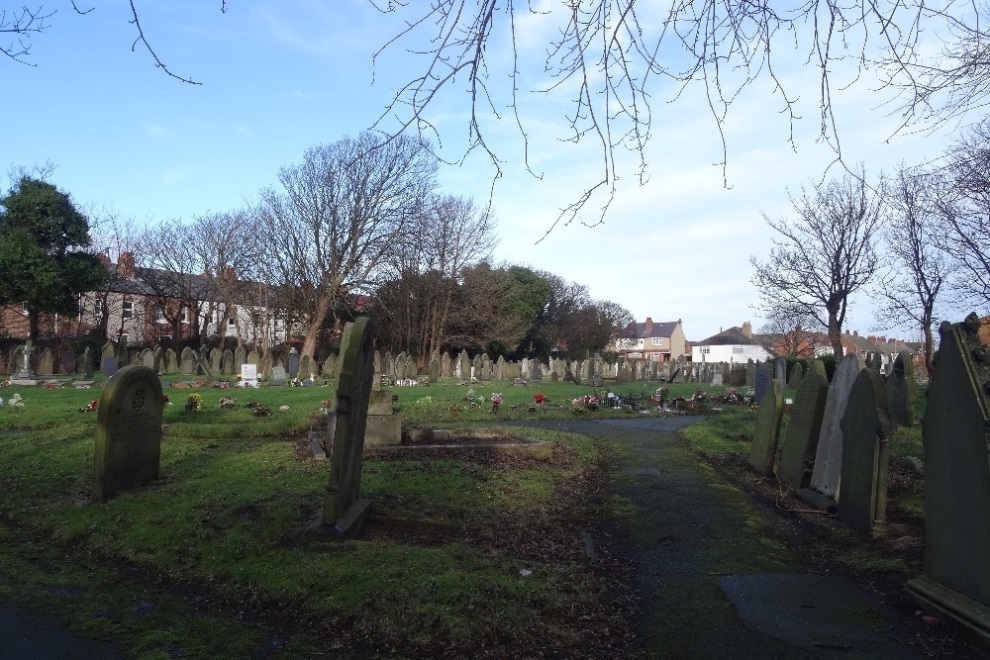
123,355
128,432
434,370
780,371
293,369
227,362
148,359
88,363
900,390
171,361
157,359
67,362
307,366
801,440
764,447
330,366
188,361
828,458
797,373
46,364
216,355
240,357
110,366
866,431
344,512
761,381
278,374
253,358
956,579
463,366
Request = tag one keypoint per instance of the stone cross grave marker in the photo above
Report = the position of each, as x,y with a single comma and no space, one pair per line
344,512
956,579
764,447
128,432
801,440
828,457
866,433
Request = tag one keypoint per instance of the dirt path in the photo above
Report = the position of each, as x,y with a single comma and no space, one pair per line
713,578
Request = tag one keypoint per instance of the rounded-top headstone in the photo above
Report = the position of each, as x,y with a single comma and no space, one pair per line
128,433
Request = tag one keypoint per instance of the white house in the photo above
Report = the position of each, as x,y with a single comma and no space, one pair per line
733,345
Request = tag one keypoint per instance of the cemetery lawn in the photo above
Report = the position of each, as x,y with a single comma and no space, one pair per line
480,553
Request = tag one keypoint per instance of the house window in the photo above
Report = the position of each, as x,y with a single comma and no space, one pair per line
737,349
160,318
185,315
658,341
128,310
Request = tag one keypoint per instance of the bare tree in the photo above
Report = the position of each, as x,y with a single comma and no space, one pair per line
920,270
331,225
964,205
824,255
113,235
789,325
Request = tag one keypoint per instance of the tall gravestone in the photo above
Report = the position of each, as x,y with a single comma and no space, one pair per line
307,366
227,362
108,359
330,366
171,361
344,512
796,375
240,357
828,459
956,429
128,432
216,355
805,424
187,363
293,369
866,430
761,381
900,390
764,447
46,363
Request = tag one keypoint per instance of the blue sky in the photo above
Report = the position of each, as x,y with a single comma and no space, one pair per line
280,77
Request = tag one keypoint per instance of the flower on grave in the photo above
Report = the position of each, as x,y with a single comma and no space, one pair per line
194,403
91,406
5,383
227,402
49,386
470,395
259,409
16,403
283,407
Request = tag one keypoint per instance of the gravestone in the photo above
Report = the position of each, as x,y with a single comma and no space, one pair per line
203,366
227,362
253,358
46,363
128,432
718,378
900,390
500,368
764,447
761,381
148,359
400,366
87,364
110,366
278,374
866,433
797,373
188,362
780,371
171,361
445,365
377,361
67,362
463,366
240,357
828,457
750,374
801,440
123,355
216,355
955,583
330,366
109,350
249,375
307,366
293,370
434,370
344,512
157,359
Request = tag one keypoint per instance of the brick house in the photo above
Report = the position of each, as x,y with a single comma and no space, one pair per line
656,342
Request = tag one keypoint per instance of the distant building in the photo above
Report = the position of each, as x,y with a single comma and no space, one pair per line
733,345
656,342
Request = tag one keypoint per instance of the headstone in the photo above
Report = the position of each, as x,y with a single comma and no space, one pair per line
216,356
400,366
866,433
330,366
171,361
293,370
344,512
188,363
718,378
88,362
128,432
761,381
157,359
377,360
279,374
227,362
123,355
445,365
109,350
110,366
956,579
797,373
750,374
463,366
828,458
148,359
434,370
249,375
801,440
307,366
763,450
240,356
67,362
253,358
900,390
780,371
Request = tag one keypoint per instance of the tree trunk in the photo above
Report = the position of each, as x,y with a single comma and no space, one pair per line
33,324
927,348
835,336
315,323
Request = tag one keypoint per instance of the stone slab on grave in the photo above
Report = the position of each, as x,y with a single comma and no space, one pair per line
801,440
866,431
128,432
344,511
955,583
763,449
